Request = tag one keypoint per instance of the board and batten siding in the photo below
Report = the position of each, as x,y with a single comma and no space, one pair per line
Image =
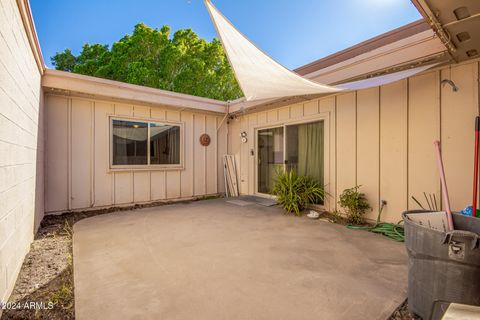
382,139
21,144
78,174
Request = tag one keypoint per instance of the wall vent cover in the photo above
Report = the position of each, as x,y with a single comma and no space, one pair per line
463,36
461,13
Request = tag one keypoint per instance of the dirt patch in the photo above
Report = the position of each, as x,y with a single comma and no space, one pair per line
46,277
402,313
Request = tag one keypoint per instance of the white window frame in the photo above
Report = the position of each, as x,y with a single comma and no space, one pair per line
148,166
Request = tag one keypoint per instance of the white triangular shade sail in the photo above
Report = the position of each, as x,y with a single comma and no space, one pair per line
259,76
262,78
385,79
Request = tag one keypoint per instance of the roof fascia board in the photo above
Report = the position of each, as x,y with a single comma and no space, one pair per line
31,33
102,88
365,46
424,43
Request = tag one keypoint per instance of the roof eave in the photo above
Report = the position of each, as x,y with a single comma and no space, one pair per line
365,46
77,84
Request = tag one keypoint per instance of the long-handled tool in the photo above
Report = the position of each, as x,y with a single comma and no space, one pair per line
441,171
475,167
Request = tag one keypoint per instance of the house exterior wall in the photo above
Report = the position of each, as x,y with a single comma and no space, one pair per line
382,138
78,174
21,144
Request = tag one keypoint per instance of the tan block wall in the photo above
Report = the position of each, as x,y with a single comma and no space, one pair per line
382,138
21,146
78,174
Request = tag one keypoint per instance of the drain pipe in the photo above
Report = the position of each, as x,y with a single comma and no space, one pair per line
226,116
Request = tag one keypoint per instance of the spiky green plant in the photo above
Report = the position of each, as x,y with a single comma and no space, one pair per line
295,192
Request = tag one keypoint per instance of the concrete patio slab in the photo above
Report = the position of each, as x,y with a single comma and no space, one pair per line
218,260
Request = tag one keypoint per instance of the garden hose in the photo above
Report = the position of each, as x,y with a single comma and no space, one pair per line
390,230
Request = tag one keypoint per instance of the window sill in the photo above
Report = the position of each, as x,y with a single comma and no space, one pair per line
145,168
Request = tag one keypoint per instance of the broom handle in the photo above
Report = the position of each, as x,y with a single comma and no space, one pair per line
475,168
441,171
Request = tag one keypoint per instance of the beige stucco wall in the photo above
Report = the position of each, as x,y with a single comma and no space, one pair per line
21,145
78,175
382,138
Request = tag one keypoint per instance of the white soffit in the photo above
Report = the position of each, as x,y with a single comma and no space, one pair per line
259,76
457,22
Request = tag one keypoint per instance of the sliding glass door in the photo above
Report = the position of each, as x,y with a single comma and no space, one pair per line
305,148
298,147
270,157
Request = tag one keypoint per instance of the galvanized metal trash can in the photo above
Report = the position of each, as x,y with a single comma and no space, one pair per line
442,267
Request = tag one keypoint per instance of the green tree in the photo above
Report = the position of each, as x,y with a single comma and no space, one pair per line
150,57
64,60
92,59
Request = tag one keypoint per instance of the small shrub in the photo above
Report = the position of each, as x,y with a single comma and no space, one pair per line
355,205
294,192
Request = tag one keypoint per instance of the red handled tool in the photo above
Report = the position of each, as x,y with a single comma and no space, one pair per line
475,167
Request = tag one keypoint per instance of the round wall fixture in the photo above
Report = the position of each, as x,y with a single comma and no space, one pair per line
205,140
243,136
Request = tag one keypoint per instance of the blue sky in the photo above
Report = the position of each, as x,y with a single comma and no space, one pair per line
292,32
